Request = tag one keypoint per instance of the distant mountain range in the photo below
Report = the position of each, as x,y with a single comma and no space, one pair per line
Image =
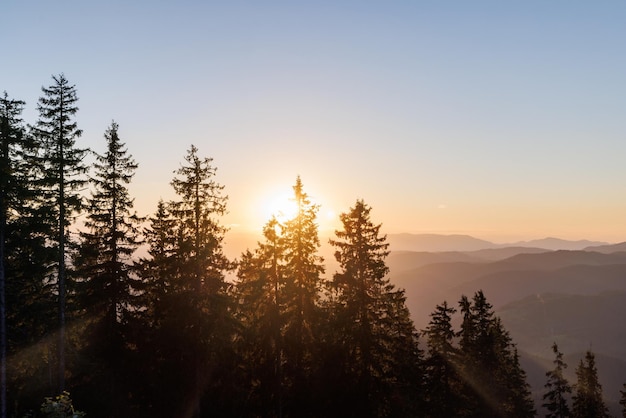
237,242
609,248
439,243
576,298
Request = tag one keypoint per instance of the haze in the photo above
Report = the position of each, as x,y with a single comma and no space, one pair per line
503,121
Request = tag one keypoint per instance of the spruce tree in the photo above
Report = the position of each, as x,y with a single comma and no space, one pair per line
30,274
192,310
62,178
110,238
495,384
109,286
558,389
303,268
200,205
587,399
261,312
159,269
11,141
373,319
442,363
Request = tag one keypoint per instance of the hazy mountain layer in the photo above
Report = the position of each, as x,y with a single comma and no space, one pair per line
576,298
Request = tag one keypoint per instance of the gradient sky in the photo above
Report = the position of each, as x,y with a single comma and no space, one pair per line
504,120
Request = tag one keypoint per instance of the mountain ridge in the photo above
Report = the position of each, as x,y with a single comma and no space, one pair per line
468,243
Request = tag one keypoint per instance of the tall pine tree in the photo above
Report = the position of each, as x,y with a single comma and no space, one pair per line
558,388
62,178
442,379
303,286
109,286
30,273
495,384
587,399
373,320
110,238
191,308
261,312
11,142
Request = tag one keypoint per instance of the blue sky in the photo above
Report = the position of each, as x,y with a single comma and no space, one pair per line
499,119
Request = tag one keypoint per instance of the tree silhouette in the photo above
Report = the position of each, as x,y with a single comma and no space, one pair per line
11,142
495,384
108,285
587,400
260,293
111,237
372,319
190,308
62,176
303,285
442,379
558,389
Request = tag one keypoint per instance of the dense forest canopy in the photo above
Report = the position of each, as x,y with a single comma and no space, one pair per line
166,334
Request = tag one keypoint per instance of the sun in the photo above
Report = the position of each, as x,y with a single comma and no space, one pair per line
278,201
281,206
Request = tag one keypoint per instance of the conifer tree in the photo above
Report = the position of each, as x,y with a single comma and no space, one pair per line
157,269
201,236
30,296
442,363
11,141
373,319
303,286
558,389
62,177
111,237
191,308
153,329
261,312
108,285
495,384
587,399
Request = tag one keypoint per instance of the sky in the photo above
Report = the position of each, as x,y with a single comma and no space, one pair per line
502,120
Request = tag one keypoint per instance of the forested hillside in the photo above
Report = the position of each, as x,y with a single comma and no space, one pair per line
542,296
164,333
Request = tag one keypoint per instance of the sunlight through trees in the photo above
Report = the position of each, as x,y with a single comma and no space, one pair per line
147,316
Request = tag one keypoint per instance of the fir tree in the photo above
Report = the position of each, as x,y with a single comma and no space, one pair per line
198,209
261,311
442,363
558,389
108,283
11,141
303,285
154,330
372,317
587,399
157,269
495,384
191,307
62,177
110,239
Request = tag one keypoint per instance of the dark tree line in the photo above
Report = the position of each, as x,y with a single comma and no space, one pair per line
475,371
586,400
167,335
